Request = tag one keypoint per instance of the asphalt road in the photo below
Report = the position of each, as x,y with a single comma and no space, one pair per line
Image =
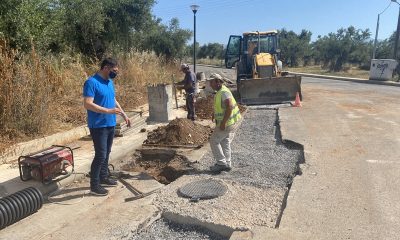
350,183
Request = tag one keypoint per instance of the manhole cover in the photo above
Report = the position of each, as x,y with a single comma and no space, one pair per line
203,189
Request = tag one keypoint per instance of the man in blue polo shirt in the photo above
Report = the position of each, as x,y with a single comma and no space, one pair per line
102,107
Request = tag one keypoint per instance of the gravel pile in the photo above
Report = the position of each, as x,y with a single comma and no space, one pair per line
164,229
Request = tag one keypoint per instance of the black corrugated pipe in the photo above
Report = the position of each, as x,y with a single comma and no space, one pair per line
19,205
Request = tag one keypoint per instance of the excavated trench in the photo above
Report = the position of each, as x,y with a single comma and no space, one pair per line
164,165
261,131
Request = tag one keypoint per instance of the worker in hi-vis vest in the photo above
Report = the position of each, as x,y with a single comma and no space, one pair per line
226,116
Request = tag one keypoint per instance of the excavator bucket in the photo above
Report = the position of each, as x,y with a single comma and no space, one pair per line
272,90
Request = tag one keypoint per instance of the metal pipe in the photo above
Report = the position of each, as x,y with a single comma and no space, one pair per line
194,44
194,8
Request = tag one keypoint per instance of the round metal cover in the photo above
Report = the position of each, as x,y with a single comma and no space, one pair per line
203,189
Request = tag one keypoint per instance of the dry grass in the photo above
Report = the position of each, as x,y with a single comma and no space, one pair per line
353,72
42,95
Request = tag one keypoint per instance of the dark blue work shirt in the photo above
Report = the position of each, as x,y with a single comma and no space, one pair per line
102,91
190,82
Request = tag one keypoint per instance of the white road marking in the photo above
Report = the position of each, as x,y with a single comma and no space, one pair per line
381,161
352,115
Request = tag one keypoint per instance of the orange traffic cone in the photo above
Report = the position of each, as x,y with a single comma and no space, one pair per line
297,102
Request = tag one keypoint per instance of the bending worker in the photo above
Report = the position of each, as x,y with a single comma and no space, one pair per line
226,115
189,84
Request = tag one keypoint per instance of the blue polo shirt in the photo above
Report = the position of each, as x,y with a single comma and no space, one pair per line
102,91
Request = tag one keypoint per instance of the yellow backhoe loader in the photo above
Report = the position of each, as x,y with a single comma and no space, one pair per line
260,79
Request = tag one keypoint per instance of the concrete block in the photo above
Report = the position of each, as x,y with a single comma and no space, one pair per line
382,69
161,102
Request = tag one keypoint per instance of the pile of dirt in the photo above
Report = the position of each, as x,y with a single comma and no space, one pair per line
204,107
179,131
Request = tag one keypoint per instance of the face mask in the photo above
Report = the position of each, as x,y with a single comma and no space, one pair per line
112,75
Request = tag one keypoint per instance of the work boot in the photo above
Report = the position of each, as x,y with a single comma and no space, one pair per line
108,182
98,191
220,168
229,163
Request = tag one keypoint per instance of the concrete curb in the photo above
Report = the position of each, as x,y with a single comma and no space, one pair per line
349,79
25,148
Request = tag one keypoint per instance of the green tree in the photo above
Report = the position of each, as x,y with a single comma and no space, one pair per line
211,50
169,41
93,26
25,21
295,48
346,46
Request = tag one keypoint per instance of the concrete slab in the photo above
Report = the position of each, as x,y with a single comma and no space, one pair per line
224,214
74,214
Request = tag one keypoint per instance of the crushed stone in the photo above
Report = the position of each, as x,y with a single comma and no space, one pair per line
163,229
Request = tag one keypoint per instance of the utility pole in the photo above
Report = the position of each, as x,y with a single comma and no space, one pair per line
376,38
396,40
377,29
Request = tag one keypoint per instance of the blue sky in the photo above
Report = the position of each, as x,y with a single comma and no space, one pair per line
218,19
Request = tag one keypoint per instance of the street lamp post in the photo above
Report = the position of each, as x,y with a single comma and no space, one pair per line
377,30
194,9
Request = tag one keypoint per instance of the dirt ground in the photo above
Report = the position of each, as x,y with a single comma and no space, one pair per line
164,166
179,131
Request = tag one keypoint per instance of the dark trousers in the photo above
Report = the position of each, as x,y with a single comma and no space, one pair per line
190,106
102,141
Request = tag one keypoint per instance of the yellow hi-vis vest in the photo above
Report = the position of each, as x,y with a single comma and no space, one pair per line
219,111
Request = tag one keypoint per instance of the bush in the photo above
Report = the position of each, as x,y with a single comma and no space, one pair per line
43,94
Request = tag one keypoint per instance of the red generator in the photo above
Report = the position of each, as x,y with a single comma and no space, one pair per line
49,165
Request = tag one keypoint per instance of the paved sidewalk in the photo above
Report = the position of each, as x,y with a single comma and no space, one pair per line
83,156
350,79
